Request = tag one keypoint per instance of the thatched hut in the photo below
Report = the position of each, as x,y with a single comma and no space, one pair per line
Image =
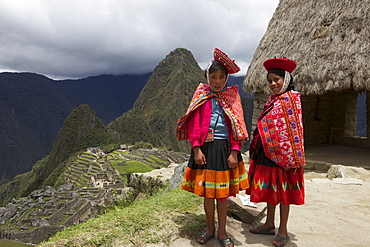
329,39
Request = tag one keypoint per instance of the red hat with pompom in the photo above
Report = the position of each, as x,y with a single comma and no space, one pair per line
222,58
280,63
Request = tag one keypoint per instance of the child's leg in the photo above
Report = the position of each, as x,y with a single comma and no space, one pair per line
221,215
269,226
284,215
209,208
270,218
282,238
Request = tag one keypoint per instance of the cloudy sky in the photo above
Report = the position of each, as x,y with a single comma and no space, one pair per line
80,38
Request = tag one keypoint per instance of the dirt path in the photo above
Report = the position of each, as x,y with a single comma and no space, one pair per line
335,214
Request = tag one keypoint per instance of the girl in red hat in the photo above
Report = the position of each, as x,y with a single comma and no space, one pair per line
214,124
277,151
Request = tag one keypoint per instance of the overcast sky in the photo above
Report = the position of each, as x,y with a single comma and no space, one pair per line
80,38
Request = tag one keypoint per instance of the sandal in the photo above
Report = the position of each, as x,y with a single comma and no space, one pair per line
261,230
283,241
204,237
226,242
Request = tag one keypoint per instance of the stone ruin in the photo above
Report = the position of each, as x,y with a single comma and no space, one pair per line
43,213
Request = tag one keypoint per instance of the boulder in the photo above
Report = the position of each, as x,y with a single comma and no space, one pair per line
340,171
176,178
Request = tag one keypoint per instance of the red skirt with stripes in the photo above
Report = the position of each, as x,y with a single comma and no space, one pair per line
272,184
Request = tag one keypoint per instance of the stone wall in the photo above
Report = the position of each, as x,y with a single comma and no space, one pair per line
368,114
258,104
317,118
36,235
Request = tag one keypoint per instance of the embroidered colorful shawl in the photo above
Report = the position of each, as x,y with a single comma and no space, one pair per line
281,129
230,102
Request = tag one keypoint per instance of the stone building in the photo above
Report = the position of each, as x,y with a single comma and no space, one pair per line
329,40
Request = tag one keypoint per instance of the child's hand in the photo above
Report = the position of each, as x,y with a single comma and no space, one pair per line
232,160
199,157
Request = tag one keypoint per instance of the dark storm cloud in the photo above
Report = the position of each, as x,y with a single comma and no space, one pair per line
79,38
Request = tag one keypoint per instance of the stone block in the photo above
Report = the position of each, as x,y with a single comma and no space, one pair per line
246,214
317,166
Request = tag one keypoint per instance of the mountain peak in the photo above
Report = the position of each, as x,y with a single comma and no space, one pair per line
81,129
162,101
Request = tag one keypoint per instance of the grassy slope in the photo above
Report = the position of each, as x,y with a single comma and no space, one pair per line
153,220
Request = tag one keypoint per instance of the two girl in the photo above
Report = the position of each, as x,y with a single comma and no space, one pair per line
215,127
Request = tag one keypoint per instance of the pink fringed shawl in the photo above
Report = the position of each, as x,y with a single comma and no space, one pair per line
230,102
281,129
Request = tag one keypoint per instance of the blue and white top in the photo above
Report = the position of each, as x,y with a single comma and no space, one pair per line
218,121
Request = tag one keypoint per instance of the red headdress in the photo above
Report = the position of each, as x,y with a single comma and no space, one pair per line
280,63
229,64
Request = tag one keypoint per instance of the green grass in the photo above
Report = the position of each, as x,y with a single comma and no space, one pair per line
133,167
146,221
158,159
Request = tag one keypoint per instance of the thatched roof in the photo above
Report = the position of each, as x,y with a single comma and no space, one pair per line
329,39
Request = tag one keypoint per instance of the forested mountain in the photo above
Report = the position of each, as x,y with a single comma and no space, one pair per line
34,107
161,102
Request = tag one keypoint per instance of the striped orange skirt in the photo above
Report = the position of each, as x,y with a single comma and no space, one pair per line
215,179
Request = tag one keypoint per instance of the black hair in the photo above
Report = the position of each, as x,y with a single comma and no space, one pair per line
215,66
281,73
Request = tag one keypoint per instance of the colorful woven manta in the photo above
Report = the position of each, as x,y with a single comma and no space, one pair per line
281,128
230,102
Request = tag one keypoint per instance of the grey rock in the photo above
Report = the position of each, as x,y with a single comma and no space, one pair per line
176,178
2,211
39,222
340,171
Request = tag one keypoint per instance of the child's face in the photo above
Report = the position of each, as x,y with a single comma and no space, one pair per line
275,82
217,80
